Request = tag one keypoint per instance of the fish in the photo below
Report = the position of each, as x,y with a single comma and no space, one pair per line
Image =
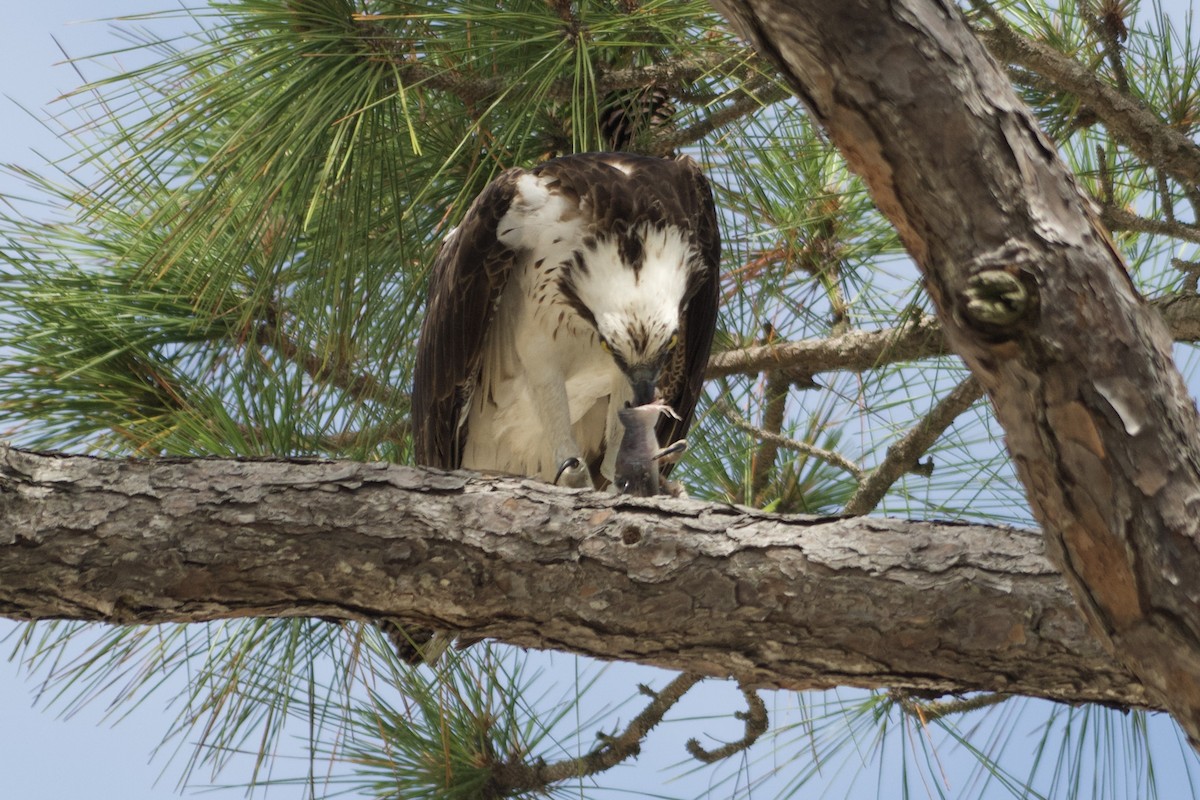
639,457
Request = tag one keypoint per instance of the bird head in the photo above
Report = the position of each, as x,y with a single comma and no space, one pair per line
632,286
640,347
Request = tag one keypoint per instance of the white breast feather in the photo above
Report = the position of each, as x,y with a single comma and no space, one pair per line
531,339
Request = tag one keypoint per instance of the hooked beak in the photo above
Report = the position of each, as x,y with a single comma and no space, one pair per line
644,381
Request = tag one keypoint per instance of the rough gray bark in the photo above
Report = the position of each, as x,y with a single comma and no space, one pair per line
796,602
1033,295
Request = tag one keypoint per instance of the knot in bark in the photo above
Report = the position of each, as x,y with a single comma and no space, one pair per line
1001,293
995,298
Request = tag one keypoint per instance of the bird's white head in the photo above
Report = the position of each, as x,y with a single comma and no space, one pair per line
633,285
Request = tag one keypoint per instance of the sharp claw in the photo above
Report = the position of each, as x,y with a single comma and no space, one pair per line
567,463
576,473
672,452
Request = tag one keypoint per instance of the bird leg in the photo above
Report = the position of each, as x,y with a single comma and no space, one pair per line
548,390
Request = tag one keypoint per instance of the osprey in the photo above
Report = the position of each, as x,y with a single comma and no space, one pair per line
567,292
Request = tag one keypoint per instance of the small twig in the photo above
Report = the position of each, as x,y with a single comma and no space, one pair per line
1106,181
755,717
744,105
1164,197
329,370
1116,218
751,269
927,712
762,466
853,351
903,455
518,776
1193,197
828,456
391,432
1111,31
1191,272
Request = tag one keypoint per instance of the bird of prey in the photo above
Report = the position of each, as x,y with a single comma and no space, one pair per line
567,292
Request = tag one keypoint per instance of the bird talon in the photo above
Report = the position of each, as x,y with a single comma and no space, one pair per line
671,453
574,473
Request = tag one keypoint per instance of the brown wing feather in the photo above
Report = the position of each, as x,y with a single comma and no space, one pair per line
682,385
468,275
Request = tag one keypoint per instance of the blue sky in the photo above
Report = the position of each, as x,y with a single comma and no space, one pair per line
43,757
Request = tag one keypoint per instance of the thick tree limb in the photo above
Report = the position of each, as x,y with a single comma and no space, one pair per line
1033,295
719,590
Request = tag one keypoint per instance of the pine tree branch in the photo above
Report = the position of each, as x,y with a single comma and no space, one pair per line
1034,296
518,776
828,456
763,463
1111,31
1181,312
902,456
775,600
1137,127
859,350
753,100
340,442
1191,272
676,74
1116,218
853,351
755,717
929,711
329,369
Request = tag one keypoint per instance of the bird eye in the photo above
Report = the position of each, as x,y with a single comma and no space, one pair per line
604,345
